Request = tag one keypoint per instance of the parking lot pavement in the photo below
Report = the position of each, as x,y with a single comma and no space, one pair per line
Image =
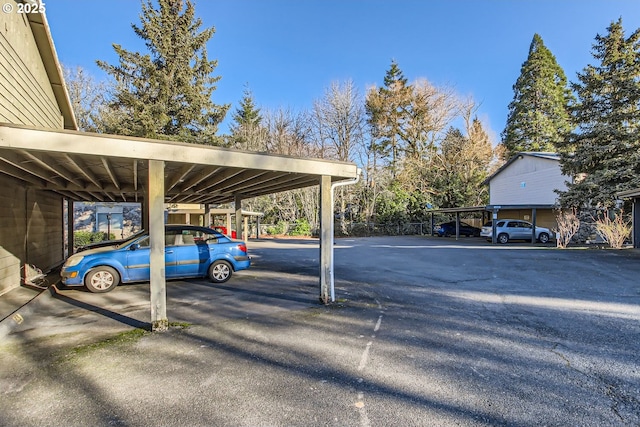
425,331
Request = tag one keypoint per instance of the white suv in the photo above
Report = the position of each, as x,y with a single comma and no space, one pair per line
515,229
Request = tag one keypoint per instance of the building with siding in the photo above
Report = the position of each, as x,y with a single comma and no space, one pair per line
525,188
33,94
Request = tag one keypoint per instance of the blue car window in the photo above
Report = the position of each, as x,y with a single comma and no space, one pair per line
170,238
144,243
186,238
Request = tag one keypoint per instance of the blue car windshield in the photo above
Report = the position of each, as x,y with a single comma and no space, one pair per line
130,239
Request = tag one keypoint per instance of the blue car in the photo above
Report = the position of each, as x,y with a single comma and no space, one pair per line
190,251
449,229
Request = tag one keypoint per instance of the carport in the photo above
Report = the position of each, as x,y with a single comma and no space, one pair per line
490,212
457,212
106,168
634,195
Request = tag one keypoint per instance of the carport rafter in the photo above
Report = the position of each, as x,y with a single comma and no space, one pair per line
59,171
11,170
179,177
81,168
30,167
109,170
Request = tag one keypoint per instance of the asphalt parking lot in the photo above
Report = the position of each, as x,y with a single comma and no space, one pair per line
424,332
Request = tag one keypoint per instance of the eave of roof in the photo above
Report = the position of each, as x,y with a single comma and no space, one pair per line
44,41
629,194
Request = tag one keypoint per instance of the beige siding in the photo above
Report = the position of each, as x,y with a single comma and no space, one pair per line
26,96
30,231
12,232
544,217
31,221
527,181
44,229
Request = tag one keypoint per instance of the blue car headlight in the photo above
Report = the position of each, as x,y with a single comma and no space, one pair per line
73,260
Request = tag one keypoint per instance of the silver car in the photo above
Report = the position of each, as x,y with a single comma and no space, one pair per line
515,229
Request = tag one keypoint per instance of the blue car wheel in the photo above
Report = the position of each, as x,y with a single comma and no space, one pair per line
220,271
102,279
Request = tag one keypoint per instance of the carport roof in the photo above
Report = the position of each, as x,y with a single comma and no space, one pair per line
629,194
107,168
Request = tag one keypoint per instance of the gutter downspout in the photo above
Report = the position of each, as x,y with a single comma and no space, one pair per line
331,226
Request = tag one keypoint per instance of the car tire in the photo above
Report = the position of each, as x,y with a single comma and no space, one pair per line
543,238
102,279
503,238
220,271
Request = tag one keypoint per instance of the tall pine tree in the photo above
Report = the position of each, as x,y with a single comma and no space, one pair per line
603,153
247,132
166,93
538,116
387,111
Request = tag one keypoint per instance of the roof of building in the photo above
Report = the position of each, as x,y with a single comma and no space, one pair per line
44,42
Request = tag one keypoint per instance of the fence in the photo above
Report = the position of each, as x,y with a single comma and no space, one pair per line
359,229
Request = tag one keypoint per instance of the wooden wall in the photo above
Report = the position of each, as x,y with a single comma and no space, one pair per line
26,96
31,231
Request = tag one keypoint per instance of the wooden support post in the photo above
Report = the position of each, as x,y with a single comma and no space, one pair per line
238,199
158,284
326,230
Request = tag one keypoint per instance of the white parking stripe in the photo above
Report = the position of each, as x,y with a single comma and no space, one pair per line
364,418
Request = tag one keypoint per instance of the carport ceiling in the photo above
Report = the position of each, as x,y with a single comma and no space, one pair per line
95,167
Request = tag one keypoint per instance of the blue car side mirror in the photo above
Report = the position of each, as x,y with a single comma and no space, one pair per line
134,247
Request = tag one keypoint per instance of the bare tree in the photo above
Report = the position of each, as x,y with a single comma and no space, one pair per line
432,110
88,98
338,123
568,226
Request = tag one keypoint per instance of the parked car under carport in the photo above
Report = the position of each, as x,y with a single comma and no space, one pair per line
515,229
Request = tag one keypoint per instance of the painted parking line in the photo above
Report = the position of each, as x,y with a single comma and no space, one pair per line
364,359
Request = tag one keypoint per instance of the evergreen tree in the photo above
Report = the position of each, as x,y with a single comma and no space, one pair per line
538,116
247,132
166,93
386,109
603,153
461,166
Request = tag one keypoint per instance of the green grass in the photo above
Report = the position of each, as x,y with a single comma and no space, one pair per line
120,339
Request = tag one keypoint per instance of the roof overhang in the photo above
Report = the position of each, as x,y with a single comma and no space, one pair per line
512,207
629,194
44,42
107,168
459,210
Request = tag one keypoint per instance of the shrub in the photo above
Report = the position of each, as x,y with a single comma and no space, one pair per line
301,228
568,226
279,229
82,238
614,231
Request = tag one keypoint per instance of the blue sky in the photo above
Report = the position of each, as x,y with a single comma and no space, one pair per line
289,51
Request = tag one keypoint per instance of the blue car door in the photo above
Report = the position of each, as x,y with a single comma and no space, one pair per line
192,254
138,265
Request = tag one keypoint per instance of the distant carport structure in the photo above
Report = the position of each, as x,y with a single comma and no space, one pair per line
456,212
106,168
634,195
490,212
